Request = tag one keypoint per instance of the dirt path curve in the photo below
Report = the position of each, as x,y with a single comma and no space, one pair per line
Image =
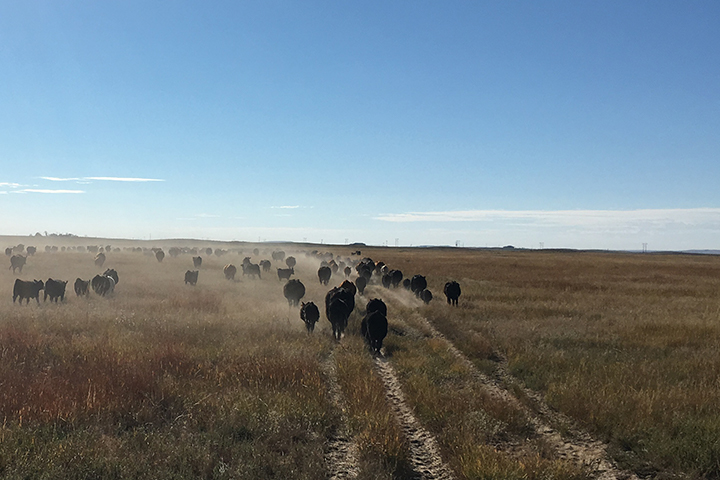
341,454
424,451
577,446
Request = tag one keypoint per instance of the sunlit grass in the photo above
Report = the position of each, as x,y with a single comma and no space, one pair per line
625,344
164,380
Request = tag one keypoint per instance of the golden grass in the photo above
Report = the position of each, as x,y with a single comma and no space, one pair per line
164,380
626,344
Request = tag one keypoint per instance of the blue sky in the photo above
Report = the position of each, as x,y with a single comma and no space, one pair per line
572,124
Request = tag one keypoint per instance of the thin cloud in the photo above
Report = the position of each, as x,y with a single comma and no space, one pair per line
568,218
124,179
57,179
288,206
9,184
42,190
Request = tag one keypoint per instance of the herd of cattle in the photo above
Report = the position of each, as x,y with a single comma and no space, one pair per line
55,289
339,301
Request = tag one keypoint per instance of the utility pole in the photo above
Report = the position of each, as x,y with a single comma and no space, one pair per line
644,247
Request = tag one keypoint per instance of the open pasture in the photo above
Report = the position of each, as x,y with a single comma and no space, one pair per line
221,380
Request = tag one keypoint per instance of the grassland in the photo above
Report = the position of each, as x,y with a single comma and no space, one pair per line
164,380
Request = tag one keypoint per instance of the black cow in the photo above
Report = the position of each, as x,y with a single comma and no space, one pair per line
310,314
339,304
376,305
294,290
82,287
159,255
27,290
278,256
191,277
265,264
17,262
337,312
99,259
9,251
54,289
102,285
386,280
374,328
378,267
230,270
426,296
452,292
346,291
418,284
31,250
110,272
396,277
347,271
365,268
406,284
285,273
290,262
197,262
361,283
324,274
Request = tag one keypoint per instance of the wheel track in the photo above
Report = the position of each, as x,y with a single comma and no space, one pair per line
424,452
579,447
342,454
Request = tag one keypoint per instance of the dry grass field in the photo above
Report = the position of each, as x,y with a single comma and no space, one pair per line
221,380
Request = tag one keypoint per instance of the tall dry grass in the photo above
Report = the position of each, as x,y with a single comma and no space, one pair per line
160,380
164,380
624,343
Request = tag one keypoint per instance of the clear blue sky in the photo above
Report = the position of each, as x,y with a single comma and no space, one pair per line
582,124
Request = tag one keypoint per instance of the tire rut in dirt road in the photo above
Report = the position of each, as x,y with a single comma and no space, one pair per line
424,451
341,454
578,447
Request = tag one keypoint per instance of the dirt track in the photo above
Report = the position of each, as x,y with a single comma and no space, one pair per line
341,454
576,446
424,452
